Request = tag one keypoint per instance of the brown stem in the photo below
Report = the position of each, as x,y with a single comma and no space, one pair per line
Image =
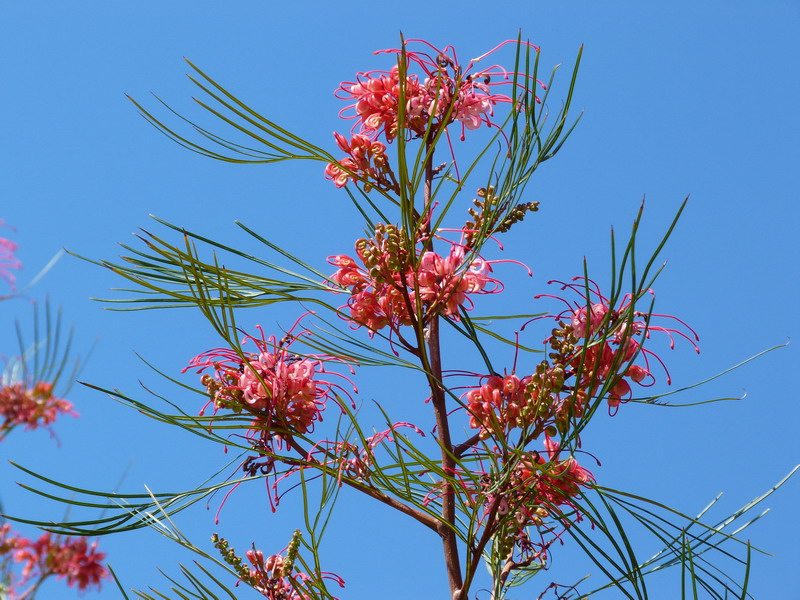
427,520
460,449
449,541
477,551
432,363
510,566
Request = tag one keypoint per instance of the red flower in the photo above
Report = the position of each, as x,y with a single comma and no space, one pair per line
609,339
389,284
441,93
280,388
498,404
32,407
365,161
273,576
70,558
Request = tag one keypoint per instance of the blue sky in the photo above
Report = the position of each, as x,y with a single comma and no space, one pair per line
679,99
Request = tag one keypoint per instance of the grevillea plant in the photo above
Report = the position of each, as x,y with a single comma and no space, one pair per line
493,462
32,386
33,382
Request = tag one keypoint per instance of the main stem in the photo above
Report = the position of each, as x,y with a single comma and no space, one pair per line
446,528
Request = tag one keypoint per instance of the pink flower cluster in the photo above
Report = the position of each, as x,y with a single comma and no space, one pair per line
448,93
279,387
554,481
30,406
533,489
607,343
366,160
444,282
442,94
537,488
594,353
71,558
498,404
8,540
273,577
385,292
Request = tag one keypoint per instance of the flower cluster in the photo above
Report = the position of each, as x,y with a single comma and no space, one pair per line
593,353
536,489
536,403
607,341
366,160
71,558
388,287
553,482
281,389
32,407
274,576
539,486
443,93
446,94
499,404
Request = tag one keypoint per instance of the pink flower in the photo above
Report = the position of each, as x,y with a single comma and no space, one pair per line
377,95
559,480
499,404
441,93
32,407
285,393
8,541
591,320
365,162
280,388
70,558
376,312
445,282
274,578
388,285
538,487
348,275
533,489
472,109
608,340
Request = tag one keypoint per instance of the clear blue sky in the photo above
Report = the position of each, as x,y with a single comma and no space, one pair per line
680,98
